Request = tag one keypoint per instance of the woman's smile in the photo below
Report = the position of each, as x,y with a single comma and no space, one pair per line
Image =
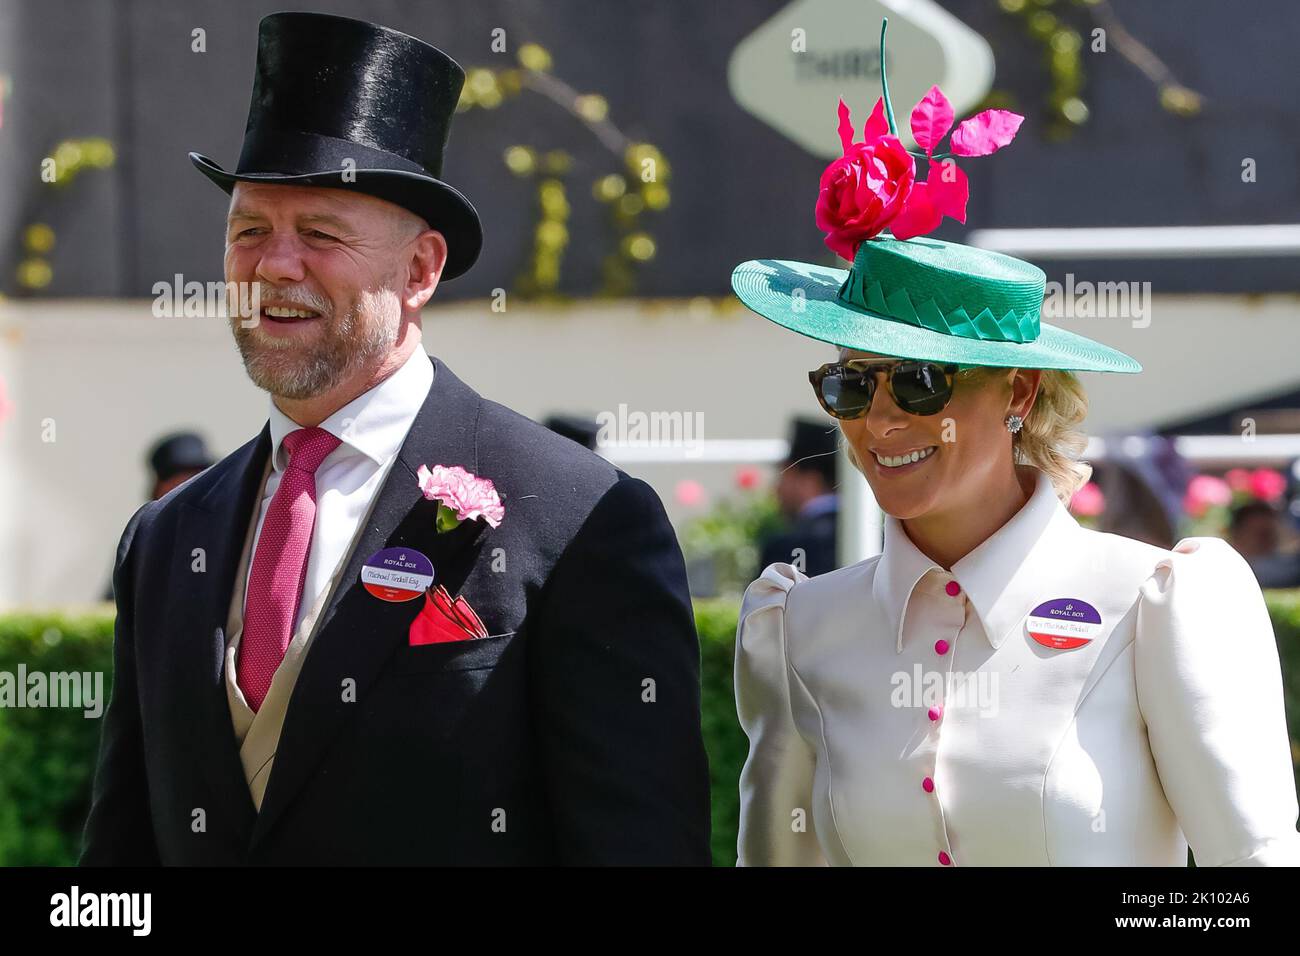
905,462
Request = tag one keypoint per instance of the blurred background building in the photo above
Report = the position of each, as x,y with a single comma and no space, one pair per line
624,157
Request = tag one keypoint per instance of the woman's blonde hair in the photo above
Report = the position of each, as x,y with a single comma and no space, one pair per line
1050,438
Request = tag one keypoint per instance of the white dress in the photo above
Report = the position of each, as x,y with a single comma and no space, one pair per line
899,714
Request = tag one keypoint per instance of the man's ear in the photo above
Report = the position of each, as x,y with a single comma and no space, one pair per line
428,258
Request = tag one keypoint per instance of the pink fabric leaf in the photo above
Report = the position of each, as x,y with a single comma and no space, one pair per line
948,189
919,215
985,133
877,124
846,126
931,119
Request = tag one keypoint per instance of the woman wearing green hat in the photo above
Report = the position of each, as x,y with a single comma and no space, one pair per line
1000,686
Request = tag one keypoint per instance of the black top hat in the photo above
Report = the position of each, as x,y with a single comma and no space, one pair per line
181,452
813,447
585,431
329,90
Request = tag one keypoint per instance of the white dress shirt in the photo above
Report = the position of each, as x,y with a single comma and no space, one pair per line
371,429
901,714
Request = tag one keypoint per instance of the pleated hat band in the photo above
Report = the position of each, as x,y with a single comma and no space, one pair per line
947,287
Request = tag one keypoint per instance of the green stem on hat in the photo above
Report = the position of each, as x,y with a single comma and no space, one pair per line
884,80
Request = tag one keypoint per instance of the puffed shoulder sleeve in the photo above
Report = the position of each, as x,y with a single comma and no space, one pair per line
1210,689
777,778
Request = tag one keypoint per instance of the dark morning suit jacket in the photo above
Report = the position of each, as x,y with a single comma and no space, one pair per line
577,726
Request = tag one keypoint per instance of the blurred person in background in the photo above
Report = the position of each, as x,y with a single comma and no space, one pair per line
1255,529
173,460
585,431
806,491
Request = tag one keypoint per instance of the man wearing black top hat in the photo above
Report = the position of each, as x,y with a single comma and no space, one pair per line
176,458
403,624
806,490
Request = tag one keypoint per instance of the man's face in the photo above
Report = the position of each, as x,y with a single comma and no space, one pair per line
161,488
330,266
1257,536
795,487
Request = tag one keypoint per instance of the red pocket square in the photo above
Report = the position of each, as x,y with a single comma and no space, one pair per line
442,620
458,611
468,618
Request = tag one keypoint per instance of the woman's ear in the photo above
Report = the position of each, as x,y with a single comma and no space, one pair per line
1025,383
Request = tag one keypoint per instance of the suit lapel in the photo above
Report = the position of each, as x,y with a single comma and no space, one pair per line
357,632
198,605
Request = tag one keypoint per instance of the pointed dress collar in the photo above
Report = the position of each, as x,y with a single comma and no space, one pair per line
1000,576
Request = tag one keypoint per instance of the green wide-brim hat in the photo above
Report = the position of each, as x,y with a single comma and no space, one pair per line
924,298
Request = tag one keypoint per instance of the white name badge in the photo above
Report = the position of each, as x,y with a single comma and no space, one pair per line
1063,624
397,574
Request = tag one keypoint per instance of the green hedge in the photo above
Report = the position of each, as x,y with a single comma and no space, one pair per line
47,755
1284,608
725,741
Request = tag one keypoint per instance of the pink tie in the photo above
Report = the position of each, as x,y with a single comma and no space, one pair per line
280,564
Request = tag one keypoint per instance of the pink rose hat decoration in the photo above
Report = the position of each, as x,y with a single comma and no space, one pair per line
873,186
864,190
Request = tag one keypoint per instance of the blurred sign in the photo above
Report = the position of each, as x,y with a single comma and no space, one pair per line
792,70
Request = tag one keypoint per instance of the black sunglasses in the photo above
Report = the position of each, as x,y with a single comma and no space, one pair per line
845,389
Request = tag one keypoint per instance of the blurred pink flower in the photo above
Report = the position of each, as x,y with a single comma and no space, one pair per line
1204,492
1267,484
1238,479
747,477
690,493
1088,501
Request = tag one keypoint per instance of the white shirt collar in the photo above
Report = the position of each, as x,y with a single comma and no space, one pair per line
374,423
1000,576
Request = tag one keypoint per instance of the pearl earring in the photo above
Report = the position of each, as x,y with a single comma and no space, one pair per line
1014,423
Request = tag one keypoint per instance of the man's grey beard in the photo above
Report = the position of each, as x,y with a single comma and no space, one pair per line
284,370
